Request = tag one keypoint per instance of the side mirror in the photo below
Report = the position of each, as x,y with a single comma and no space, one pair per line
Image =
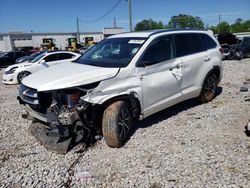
42,61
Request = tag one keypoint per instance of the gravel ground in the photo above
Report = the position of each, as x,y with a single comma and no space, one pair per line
188,145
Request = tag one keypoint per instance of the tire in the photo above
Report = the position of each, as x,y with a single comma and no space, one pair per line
209,88
116,124
22,75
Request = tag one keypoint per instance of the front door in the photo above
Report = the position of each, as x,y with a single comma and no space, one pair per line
160,84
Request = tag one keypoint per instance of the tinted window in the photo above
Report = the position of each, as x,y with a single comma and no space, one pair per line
52,57
20,54
207,42
38,58
65,56
246,41
188,43
161,50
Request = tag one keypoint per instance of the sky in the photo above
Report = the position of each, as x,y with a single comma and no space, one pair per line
60,15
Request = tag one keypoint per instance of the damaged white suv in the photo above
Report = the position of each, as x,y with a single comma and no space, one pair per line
123,78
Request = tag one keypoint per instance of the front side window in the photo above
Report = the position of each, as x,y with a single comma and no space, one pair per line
113,52
188,43
160,50
4,55
38,58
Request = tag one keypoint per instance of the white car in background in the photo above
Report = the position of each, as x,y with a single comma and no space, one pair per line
15,73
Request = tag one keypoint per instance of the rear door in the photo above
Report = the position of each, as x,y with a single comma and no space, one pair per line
189,49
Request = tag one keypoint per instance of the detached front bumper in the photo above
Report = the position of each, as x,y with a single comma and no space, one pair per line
10,79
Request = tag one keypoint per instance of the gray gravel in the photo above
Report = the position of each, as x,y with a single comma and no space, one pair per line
188,145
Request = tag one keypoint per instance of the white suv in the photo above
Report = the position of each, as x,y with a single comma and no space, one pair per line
15,73
122,78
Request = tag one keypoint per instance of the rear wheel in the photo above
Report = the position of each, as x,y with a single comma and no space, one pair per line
22,75
209,89
117,124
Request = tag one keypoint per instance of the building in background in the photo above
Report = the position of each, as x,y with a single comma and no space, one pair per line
60,40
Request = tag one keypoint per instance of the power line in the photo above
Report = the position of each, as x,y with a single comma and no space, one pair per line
101,17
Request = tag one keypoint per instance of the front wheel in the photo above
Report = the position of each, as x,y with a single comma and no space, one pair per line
22,75
209,88
117,124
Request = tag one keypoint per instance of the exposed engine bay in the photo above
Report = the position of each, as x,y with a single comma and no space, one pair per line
67,115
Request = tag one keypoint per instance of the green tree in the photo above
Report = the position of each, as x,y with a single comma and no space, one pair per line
223,27
246,26
185,21
237,26
148,25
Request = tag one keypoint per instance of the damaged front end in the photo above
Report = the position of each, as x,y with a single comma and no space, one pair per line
61,118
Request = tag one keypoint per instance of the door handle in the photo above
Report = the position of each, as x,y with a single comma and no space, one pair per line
178,66
207,58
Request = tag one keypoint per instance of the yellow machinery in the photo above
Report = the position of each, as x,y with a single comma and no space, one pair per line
48,44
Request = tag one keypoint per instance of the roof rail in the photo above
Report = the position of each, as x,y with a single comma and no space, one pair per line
168,30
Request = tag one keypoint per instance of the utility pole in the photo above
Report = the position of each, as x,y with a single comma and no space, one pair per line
219,24
130,16
78,33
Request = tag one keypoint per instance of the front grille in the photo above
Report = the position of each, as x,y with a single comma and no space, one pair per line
28,95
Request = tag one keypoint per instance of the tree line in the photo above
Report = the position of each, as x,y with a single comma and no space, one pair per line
188,21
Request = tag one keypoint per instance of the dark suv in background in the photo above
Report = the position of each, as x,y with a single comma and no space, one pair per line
9,58
234,48
245,46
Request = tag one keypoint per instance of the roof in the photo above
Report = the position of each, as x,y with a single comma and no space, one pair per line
48,33
146,34
58,51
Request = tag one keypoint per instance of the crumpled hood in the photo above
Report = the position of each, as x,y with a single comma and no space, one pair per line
19,65
67,75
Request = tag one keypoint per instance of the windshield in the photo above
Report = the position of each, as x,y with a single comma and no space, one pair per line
114,52
3,54
37,58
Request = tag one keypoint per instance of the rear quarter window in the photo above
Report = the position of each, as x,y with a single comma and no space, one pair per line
207,42
187,44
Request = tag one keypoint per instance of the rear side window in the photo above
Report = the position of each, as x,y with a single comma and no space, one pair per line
161,50
207,42
65,56
188,43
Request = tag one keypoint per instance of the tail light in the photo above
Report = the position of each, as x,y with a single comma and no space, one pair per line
221,50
